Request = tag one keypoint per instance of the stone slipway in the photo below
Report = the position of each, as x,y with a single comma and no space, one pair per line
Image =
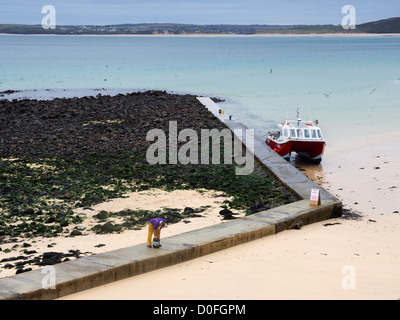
73,276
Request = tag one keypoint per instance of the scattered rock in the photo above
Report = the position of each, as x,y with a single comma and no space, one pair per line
102,215
23,270
68,195
75,232
188,210
29,252
296,225
50,219
47,258
107,227
350,214
64,223
13,259
217,100
51,258
227,214
331,224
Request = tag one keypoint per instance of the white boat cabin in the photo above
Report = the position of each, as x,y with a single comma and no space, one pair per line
297,130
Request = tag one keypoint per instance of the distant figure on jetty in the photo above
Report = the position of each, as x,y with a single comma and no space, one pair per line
155,226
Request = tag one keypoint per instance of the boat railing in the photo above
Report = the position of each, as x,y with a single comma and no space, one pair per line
274,135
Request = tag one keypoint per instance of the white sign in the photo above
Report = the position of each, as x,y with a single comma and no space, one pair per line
315,199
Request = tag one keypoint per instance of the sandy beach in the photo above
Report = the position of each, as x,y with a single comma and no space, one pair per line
335,259
154,199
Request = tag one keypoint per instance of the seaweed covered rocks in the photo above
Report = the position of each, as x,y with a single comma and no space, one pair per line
80,127
70,153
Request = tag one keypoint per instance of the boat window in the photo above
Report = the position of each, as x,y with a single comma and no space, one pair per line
293,133
306,133
299,133
314,134
285,132
319,134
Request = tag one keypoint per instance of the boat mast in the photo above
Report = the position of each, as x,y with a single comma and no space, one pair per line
298,117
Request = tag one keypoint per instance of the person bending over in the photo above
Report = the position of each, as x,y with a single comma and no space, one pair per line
155,226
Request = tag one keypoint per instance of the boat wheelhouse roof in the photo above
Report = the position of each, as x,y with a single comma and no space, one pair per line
297,129
297,124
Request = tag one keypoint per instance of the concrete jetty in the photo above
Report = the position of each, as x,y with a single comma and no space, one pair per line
66,278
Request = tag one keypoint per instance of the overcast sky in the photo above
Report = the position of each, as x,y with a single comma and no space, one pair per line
103,12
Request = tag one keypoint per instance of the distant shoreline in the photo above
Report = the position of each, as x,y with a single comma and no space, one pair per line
384,27
217,35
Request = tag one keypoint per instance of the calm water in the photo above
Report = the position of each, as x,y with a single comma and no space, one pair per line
351,85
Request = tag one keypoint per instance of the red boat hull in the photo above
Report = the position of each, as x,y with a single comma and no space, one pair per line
312,150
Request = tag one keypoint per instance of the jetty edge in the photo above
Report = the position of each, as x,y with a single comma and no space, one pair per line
66,278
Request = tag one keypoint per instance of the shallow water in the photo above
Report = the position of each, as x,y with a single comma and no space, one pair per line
350,84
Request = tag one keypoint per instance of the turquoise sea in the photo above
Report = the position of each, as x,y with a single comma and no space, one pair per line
350,84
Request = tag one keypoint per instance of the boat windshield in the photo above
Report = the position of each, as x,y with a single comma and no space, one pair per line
314,134
301,133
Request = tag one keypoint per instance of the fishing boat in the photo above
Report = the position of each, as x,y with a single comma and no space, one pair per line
303,137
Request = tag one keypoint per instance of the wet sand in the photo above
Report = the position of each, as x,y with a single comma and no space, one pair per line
335,259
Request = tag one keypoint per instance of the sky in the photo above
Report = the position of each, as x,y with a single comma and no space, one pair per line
104,12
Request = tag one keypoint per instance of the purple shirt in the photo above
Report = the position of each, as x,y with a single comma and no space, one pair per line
156,222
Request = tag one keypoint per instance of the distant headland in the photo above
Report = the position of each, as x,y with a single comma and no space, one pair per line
386,26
